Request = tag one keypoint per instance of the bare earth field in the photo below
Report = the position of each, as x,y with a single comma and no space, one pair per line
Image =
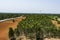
4,27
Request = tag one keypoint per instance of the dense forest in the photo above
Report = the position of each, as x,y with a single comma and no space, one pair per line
9,15
12,15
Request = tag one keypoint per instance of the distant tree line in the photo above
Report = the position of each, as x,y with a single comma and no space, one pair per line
8,15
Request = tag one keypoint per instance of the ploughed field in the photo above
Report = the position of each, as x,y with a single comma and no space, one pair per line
4,27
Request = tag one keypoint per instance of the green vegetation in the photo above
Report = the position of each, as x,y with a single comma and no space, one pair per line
37,27
17,32
11,34
7,15
36,24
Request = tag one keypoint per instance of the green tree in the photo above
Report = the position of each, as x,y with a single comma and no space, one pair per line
17,32
11,34
13,20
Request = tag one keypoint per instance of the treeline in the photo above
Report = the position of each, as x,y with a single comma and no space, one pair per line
8,15
12,15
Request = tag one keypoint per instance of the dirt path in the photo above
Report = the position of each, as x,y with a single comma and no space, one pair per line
4,27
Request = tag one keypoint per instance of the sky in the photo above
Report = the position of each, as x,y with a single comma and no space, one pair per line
30,6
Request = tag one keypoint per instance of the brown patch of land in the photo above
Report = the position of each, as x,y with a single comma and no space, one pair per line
4,27
51,39
55,23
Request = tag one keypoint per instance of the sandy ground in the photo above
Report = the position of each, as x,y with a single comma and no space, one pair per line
4,27
55,23
51,39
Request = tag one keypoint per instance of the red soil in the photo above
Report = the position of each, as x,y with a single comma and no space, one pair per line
4,27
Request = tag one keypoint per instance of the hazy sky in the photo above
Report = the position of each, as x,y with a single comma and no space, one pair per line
30,6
